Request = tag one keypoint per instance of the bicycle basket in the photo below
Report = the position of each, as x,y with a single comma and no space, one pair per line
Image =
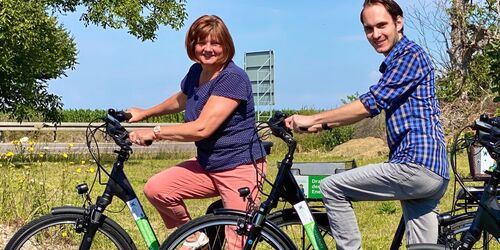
309,174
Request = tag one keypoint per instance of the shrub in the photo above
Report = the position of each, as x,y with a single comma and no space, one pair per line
325,140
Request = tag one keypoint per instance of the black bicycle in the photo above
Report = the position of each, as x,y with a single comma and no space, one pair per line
87,226
486,219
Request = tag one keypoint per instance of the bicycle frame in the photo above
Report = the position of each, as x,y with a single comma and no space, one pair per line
118,185
488,213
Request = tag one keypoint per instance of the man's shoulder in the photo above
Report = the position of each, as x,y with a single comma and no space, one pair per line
410,47
406,50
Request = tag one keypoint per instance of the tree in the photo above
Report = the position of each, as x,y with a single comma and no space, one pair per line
141,17
462,29
34,48
460,36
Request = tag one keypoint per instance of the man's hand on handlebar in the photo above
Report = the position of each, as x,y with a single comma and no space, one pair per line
302,124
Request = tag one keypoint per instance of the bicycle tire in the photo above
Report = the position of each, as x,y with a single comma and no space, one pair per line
289,222
57,232
213,225
453,232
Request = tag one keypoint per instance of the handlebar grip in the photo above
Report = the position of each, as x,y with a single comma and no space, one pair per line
303,128
127,115
123,116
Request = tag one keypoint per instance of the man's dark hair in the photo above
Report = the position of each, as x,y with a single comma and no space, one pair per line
390,5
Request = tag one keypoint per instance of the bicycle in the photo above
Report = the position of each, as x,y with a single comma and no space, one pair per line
452,224
87,227
486,219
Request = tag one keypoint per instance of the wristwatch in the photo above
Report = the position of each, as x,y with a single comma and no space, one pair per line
156,131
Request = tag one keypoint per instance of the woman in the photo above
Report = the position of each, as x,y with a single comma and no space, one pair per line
216,96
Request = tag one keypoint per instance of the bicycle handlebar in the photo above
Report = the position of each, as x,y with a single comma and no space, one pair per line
113,120
278,128
114,128
488,133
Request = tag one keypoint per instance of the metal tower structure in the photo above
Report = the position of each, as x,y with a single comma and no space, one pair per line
260,69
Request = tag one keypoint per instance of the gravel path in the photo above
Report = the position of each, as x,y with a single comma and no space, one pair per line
5,233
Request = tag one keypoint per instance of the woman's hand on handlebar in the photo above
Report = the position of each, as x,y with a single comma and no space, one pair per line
138,114
143,137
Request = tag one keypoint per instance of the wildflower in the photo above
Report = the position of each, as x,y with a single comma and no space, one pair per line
71,145
65,155
31,148
41,155
83,162
9,154
78,170
24,139
16,142
64,234
91,170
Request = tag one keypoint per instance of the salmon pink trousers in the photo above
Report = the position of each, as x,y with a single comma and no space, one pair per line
187,180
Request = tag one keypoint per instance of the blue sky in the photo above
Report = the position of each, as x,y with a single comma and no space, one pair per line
321,54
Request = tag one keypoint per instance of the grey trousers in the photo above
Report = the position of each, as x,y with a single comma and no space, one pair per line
418,189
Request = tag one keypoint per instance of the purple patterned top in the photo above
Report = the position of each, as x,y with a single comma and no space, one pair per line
235,142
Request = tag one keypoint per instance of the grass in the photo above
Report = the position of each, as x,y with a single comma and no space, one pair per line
29,190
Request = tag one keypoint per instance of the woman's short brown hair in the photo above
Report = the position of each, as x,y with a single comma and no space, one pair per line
210,25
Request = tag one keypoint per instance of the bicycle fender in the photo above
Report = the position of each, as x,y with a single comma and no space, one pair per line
67,210
104,219
275,229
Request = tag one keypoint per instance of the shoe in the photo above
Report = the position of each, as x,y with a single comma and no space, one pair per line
198,244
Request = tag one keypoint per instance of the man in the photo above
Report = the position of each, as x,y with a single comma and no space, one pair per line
417,170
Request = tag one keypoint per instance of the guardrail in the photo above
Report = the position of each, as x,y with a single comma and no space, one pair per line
65,126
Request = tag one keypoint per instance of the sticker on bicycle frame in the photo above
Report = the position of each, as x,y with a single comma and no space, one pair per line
487,163
136,209
309,185
148,234
312,230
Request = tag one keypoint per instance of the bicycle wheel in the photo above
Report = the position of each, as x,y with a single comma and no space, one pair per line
289,222
454,231
58,232
222,232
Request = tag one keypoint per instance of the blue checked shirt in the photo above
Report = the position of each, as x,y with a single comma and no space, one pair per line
406,92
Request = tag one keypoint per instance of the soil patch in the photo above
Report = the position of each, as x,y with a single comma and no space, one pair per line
363,148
